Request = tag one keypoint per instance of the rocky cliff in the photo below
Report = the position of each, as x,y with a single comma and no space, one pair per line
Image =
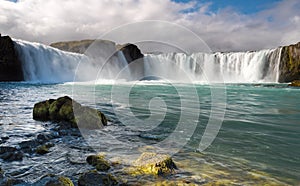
103,47
290,63
10,65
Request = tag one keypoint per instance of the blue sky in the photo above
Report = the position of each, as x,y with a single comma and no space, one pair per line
243,6
225,25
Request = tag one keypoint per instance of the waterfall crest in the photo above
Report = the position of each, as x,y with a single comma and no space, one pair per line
45,64
234,67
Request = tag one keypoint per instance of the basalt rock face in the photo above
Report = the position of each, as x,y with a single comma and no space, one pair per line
131,52
82,47
290,63
135,58
10,65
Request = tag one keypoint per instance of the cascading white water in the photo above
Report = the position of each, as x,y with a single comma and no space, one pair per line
235,67
45,64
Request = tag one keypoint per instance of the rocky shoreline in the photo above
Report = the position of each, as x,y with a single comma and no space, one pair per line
100,171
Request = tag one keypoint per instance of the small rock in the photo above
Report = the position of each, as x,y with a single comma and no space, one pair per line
11,182
93,178
98,162
4,138
295,83
29,146
53,180
44,149
10,154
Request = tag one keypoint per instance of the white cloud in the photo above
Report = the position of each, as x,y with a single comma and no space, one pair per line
56,20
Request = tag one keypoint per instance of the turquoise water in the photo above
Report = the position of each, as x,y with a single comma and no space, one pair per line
258,141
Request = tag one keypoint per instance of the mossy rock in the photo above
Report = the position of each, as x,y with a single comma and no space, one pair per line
41,110
98,162
56,106
53,180
155,164
93,178
65,109
295,83
44,149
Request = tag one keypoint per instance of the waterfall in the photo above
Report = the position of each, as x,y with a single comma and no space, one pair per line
234,67
45,64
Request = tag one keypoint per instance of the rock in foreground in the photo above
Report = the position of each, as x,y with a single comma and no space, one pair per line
67,110
98,162
93,178
152,163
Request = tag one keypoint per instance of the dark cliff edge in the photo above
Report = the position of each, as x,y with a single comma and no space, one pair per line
10,65
290,63
131,52
106,49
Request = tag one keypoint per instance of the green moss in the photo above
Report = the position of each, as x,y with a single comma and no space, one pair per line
65,181
155,164
98,162
43,149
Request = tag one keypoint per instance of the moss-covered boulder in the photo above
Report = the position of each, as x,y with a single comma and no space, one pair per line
93,178
68,110
155,164
295,83
54,180
99,162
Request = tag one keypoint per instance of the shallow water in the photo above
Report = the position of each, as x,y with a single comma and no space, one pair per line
258,142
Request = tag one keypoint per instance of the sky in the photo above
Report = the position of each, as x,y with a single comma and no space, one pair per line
224,25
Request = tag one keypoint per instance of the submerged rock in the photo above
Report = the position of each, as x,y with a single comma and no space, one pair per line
44,149
53,180
152,163
10,154
93,178
64,109
295,83
98,162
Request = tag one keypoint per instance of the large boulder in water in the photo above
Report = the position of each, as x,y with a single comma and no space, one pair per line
10,65
155,164
65,109
290,63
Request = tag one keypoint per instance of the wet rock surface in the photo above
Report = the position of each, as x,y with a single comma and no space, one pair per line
10,65
64,110
290,63
153,163
93,178
295,83
99,162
